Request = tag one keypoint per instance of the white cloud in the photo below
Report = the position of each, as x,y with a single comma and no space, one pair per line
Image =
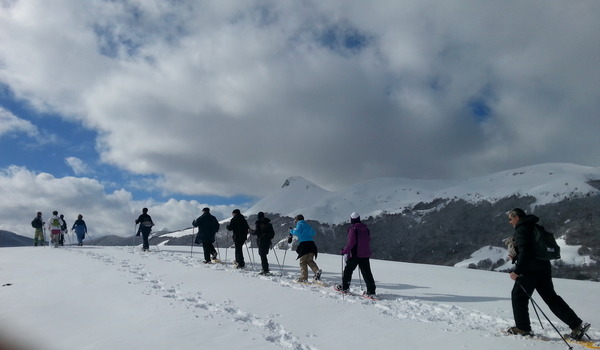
79,167
11,124
25,192
233,97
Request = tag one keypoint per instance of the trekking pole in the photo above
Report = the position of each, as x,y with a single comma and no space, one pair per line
217,243
192,245
277,258
343,295
360,279
536,305
44,233
133,240
90,236
248,251
226,245
252,253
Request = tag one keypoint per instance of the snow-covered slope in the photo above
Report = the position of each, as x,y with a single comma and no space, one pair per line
548,183
118,298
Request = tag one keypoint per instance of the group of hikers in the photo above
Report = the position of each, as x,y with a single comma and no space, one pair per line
357,249
57,227
530,273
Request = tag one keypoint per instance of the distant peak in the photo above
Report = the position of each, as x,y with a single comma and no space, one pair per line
294,180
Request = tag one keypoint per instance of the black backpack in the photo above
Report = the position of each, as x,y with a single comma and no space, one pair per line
545,244
266,228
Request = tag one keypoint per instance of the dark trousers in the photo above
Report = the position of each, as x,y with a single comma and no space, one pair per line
264,246
365,269
239,253
145,234
542,282
208,248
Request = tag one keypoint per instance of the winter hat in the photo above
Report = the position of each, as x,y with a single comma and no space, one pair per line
55,213
260,215
354,215
236,211
206,210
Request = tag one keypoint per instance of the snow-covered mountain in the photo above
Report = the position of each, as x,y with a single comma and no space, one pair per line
548,183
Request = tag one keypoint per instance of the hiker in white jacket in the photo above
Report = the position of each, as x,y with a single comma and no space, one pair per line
54,226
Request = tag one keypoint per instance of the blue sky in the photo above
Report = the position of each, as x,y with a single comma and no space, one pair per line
109,106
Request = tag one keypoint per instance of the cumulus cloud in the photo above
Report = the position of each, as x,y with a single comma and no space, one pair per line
233,97
25,192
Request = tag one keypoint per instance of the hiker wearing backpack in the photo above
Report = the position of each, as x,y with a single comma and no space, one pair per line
358,252
145,228
63,230
207,226
240,228
38,225
264,234
54,227
531,274
80,229
307,249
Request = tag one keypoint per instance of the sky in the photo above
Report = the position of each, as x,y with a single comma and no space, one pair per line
110,106
94,297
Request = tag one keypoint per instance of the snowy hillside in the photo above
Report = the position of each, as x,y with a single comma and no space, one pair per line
91,297
548,183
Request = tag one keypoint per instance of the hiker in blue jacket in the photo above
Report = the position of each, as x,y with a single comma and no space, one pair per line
307,249
80,229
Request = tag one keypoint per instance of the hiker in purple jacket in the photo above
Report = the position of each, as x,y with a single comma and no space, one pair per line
358,250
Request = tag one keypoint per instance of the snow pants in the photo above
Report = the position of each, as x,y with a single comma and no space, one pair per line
264,245
542,282
365,268
307,260
38,237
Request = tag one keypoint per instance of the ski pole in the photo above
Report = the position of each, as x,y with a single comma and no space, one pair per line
277,258
248,251
192,245
90,236
133,240
226,245
343,296
217,243
536,305
360,279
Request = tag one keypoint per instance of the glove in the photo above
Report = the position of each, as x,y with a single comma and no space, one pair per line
290,239
138,234
341,252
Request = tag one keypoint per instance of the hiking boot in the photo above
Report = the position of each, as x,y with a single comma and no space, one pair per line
318,275
517,331
214,256
265,273
578,332
302,280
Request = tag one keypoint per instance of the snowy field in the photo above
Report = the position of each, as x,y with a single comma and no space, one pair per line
116,298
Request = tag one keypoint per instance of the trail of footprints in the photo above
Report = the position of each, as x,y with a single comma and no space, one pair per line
271,330
452,317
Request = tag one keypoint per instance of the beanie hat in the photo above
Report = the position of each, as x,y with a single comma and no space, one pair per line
354,215
236,211
261,215
206,210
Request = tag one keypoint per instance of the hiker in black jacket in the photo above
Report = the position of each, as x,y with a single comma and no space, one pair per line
240,227
264,233
207,226
145,228
532,274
